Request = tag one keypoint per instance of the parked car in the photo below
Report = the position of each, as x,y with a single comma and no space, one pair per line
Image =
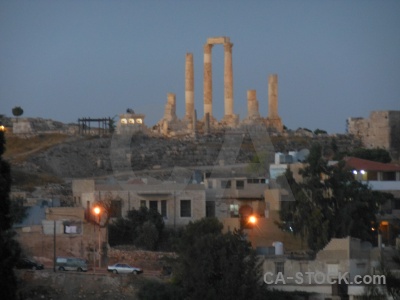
27,263
71,264
119,268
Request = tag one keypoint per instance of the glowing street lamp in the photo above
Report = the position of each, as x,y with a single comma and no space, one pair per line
253,220
97,211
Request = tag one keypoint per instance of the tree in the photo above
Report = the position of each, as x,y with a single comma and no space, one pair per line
320,131
142,227
376,154
9,248
17,111
216,265
336,205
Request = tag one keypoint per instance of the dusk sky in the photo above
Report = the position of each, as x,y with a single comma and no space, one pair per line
64,60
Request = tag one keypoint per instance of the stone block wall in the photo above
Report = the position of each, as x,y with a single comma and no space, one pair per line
380,130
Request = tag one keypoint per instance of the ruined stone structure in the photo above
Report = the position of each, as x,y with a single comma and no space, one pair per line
34,126
273,120
230,118
170,125
380,130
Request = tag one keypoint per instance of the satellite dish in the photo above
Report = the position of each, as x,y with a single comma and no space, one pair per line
303,154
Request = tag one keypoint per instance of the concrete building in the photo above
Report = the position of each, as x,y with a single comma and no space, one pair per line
234,199
348,259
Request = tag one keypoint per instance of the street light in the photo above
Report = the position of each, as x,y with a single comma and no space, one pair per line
97,211
252,220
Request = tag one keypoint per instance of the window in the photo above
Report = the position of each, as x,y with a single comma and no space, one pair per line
280,267
124,121
131,121
209,184
225,184
388,176
396,203
164,208
210,209
153,205
240,184
372,175
116,209
142,203
186,208
234,210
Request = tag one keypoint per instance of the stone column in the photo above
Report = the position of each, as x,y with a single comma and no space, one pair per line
207,123
273,96
228,79
189,86
207,80
252,104
170,107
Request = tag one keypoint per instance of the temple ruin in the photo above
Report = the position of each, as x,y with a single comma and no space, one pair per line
171,125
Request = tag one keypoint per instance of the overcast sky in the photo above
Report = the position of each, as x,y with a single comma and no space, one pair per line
69,59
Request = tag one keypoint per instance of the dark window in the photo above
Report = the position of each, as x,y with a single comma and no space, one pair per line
262,180
116,209
396,203
186,208
372,175
142,203
388,176
153,205
210,209
225,184
240,184
279,267
164,208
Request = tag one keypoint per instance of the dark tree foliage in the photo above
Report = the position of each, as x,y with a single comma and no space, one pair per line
213,265
142,227
17,111
319,131
9,248
376,154
330,203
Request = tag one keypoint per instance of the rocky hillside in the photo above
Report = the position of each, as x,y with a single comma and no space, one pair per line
81,157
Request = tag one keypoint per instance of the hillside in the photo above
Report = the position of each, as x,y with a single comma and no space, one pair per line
53,158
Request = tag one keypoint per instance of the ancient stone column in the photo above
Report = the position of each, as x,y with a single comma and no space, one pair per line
273,96
252,104
189,87
170,107
228,79
207,123
207,80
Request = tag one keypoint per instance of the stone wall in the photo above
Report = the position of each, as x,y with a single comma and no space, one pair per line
380,130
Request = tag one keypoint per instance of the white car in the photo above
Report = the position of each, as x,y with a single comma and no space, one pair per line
119,268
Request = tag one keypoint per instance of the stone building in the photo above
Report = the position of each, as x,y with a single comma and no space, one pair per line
178,203
380,130
130,122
